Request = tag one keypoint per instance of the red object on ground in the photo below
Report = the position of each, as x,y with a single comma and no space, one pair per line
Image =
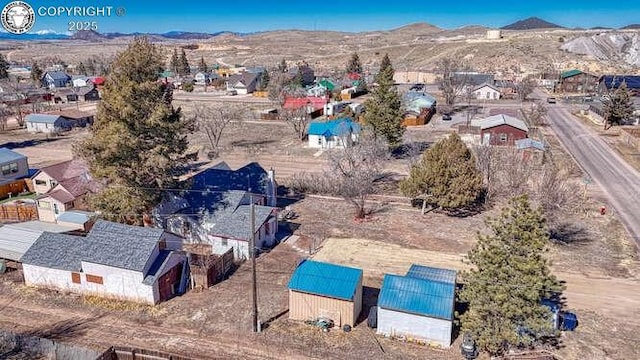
603,210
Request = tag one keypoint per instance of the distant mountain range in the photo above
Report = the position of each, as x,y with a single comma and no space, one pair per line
90,35
531,23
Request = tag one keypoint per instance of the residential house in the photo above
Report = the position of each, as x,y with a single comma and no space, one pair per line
419,107
243,83
114,260
609,82
48,124
80,81
96,81
13,169
307,74
16,239
216,209
501,129
77,117
576,81
419,305
323,290
202,78
473,79
486,92
334,108
314,105
318,91
507,88
549,81
62,187
87,93
55,79
338,133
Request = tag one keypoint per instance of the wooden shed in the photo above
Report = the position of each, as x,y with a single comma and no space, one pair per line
323,290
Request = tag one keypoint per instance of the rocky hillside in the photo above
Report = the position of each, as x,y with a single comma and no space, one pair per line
617,47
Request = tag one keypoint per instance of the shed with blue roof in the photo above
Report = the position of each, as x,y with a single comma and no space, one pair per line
418,305
338,133
324,290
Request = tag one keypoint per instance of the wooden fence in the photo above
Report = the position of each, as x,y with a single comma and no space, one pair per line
18,212
207,269
13,188
129,353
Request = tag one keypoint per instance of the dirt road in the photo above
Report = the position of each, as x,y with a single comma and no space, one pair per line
608,296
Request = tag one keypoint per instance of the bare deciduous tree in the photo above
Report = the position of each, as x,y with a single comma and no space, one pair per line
536,114
298,119
213,121
277,85
525,87
452,78
352,173
553,191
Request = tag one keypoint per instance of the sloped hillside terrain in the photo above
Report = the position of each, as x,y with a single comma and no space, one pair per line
617,47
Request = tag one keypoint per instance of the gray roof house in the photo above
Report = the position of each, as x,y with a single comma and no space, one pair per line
216,209
114,260
55,79
244,83
47,123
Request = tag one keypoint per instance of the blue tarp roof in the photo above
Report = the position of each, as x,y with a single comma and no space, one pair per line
417,296
337,127
431,273
324,279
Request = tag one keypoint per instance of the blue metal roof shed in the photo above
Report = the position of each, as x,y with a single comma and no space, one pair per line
42,118
417,296
324,279
433,274
338,127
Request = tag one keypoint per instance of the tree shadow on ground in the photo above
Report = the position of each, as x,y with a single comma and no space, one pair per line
409,150
369,299
65,330
246,143
565,233
30,143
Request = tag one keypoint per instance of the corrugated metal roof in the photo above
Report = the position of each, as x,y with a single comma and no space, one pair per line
430,273
74,217
529,143
570,73
15,241
325,279
7,155
42,118
500,119
417,296
336,127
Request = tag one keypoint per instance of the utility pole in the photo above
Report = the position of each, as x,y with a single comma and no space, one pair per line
252,254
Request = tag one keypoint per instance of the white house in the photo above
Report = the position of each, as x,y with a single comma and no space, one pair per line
80,81
486,92
45,123
418,305
335,107
217,209
337,133
114,260
244,83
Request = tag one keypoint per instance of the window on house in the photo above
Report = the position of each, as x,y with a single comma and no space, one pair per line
503,137
75,278
55,209
13,167
41,182
53,183
6,169
225,242
319,141
44,204
94,279
487,94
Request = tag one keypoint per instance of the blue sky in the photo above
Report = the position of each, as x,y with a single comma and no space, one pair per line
355,15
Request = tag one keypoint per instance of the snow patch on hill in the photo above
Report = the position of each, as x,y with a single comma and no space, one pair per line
608,47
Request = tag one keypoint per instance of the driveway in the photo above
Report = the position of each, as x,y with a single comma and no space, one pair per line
603,166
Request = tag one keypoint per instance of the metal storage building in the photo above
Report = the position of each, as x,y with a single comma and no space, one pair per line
319,289
418,305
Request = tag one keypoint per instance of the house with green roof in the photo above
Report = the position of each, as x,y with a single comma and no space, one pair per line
577,81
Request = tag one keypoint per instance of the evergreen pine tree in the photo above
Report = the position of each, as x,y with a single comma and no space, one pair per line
618,105
386,70
202,66
510,277
264,80
81,69
4,67
384,111
354,65
174,64
446,176
136,145
183,67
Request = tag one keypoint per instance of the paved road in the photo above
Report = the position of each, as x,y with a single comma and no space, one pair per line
620,181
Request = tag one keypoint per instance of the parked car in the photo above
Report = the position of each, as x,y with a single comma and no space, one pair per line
446,117
551,100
